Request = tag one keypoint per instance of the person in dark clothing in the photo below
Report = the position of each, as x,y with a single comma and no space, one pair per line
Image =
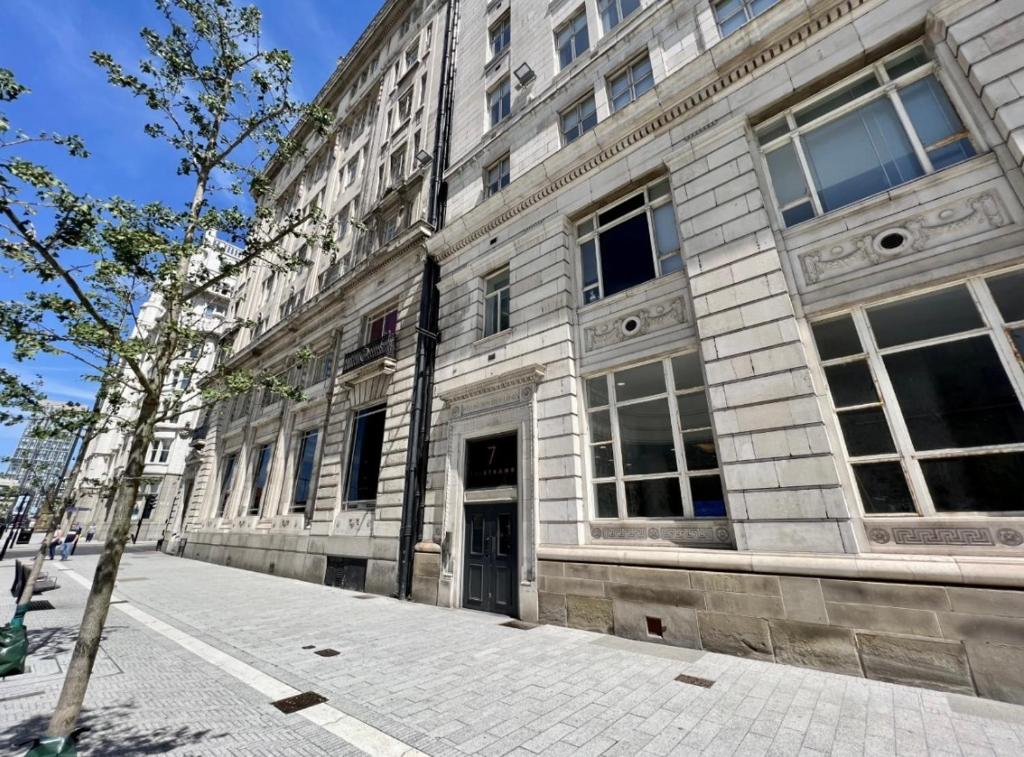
91,532
69,541
78,535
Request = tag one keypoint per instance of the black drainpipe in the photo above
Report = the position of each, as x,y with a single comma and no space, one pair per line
414,491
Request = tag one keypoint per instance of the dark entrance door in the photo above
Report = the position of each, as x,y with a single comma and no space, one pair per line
491,563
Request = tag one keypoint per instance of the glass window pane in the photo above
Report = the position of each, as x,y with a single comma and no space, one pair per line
597,391
883,488
645,432
798,214
589,252
623,208
686,369
642,381
984,482
947,155
658,190
787,176
851,384
930,111
671,264
1008,292
733,23
604,461
364,460
956,395
498,281
907,62
860,154
773,131
600,426
836,337
949,311
699,447
760,6
654,498
708,499
866,432
607,501
666,234
837,100
693,411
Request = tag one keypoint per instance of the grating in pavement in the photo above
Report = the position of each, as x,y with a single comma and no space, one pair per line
310,646
365,596
519,624
327,652
694,681
299,702
39,604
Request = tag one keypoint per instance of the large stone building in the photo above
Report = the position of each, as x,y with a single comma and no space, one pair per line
107,453
37,466
731,298
315,488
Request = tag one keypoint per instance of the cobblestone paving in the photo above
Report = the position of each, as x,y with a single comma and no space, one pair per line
449,682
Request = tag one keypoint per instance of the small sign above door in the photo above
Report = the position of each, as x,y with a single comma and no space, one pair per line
492,462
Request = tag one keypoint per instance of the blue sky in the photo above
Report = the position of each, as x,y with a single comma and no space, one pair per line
47,45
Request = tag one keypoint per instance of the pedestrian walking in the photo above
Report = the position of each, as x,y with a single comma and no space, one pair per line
58,537
69,541
91,532
78,536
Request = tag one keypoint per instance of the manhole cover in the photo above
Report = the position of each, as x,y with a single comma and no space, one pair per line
694,681
39,604
299,702
365,596
518,624
327,652
310,646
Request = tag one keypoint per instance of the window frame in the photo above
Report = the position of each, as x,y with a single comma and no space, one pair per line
627,71
504,293
569,25
504,179
257,495
620,16
303,438
993,327
594,234
379,315
495,96
159,452
576,108
228,473
502,27
682,474
356,414
888,89
747,11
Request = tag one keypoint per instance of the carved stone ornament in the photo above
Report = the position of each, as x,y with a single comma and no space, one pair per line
636,323
503,389
945,536
952,222
704,534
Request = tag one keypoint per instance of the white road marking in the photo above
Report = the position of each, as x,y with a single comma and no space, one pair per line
357,733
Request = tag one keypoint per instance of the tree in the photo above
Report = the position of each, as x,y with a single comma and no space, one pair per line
222,102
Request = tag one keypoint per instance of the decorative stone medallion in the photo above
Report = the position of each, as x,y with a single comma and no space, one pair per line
645,320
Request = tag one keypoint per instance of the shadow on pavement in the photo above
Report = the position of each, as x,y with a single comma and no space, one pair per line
110,733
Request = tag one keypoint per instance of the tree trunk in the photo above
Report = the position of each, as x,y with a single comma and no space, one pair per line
37,566
72,695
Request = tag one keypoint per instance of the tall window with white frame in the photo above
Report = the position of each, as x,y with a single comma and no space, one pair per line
498,175
732,14
227,482
652,450
629,83
929,395
579,119
613,11
884,126
500,35
496,302
304,471
572,38
260,475
159,451
499,101
630,242
365,456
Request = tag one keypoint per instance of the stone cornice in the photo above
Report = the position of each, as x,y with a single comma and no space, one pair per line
736,71
530,374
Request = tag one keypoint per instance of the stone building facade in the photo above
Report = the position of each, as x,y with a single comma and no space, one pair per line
106,455
314,488
732,305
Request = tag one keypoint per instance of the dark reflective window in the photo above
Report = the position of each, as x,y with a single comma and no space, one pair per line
866,432
836,337
607,501
956,394
851,384
626,255
646,433
989,483
883,488
654,498
950,311
364,460
491,462
1008,292
708,500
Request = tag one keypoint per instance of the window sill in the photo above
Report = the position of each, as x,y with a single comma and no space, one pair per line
362,504
492,64
498,339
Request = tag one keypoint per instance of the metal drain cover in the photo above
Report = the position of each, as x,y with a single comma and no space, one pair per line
310,646
327,652
39,604
518,624
365,596
299,702
694,681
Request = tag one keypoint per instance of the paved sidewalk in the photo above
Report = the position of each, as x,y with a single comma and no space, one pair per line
193,650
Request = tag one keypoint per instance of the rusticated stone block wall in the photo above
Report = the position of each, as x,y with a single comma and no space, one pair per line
960,639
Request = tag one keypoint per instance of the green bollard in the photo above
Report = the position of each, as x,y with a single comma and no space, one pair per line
56,746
